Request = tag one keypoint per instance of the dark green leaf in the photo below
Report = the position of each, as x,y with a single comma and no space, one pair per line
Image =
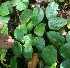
65,51
39,42
20,31
68,37
49,55
27,51
17,49
56,38
37,15
13,62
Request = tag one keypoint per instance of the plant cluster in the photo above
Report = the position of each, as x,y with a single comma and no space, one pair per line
29,34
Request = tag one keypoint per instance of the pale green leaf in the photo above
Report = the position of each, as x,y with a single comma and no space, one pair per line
21,6
4,10
5,29
51,10
55,23
39,30
28,39
4,19
65,64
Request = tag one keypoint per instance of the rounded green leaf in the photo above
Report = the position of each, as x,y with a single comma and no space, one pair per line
56,38
28,39
4,10
68,37
39,42
39,30
55,23
17,49
65,64
9,5
51,10
49,55
13,62
25,15
65,51
21,6
4,19
27,51
20,31
37,15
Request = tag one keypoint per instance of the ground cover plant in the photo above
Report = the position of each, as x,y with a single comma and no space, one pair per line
34,34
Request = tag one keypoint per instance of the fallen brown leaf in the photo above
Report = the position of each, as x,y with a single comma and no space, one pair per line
34,61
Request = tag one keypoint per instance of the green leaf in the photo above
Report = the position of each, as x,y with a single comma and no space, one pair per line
39,30
30,26
17,49
4,19
9,5
27,51
25,15
68,23
39,42
3,54
68,37
21,6
41,64
65,50
4,10
51,10
37,15
26,2
49,55
13,62
5,29
15,2
56,23
20,31
56,38
62,0
65,64
28,39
